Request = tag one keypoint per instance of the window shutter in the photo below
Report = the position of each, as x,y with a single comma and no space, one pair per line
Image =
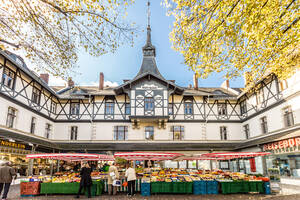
114,133
69,132
221,135
126,132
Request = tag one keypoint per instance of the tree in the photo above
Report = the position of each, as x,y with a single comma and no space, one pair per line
52,32
237,36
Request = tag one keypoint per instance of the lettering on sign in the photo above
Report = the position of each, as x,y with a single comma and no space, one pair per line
282,144
12,144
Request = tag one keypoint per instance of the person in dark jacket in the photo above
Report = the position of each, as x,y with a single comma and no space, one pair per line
86,179
6,176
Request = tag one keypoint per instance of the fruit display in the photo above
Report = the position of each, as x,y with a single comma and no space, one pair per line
182,175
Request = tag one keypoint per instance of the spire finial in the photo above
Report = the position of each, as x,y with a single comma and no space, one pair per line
148,4
148,27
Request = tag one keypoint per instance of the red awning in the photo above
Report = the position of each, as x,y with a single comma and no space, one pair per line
71,156
147,155
232,155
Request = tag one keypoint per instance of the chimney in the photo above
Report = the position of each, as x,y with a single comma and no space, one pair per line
101,81
45,77
225,84
195,78
70,82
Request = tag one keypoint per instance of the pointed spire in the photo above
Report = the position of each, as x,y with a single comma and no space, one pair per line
148,27
148,49
149,63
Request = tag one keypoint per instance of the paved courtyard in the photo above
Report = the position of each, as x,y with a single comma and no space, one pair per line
289,192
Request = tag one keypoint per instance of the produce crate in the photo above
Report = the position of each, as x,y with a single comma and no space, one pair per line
267,188
225,187
166,187
179,187
155,187
145,189
256,186
29,188
69,188
212,187
199,187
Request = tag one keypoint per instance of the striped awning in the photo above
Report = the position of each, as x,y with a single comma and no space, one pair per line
71,156
233,155
147,155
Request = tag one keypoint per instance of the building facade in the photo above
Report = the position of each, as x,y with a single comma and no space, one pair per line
146,113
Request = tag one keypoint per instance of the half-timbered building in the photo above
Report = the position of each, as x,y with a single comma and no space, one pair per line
146,113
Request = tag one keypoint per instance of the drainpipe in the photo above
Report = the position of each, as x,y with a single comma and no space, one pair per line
91,119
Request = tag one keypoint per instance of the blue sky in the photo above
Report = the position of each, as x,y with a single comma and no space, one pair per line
126,61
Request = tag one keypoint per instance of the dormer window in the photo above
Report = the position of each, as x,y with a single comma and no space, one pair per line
149,104
36,95
74,108
109,108
222,109
260,96
8,78
188,107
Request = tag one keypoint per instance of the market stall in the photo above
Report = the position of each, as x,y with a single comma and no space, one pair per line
159,180
65,182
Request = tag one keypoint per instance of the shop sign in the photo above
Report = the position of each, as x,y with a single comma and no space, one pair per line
12,144
282,144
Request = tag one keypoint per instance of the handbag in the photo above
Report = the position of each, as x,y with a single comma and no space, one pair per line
125,184
116,183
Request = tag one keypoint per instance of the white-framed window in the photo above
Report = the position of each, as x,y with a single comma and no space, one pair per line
109,108
283,85
36,95
223,133
260,96
188,107
53,107
288,116
32,125
243,107
264,124
177,132
74,133
74,108
149,133
8,78
48,130
149,104
170,109
246,131
127,109
120,132
11,117
222,109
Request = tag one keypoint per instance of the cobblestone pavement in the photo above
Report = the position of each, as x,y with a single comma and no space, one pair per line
289,192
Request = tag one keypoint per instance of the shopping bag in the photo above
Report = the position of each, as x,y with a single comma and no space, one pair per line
125,184
117,183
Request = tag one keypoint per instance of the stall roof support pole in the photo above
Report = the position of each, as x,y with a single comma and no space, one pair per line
30,163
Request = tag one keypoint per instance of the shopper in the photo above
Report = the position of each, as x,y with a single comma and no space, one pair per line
7,173
130,174
86,180
113,174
